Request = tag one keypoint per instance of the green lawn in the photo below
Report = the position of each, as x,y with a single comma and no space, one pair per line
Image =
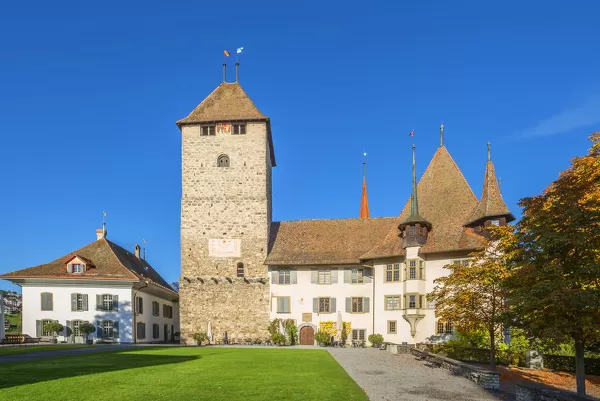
24,349
15,323
182,373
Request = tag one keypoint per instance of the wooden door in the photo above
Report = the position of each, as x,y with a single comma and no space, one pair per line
307,336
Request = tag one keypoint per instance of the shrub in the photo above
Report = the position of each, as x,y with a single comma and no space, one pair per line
376,339
323,338
200,337
567,364
53,327
87,329
292,331
278,338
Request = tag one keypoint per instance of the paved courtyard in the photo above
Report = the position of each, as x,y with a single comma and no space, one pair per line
387,377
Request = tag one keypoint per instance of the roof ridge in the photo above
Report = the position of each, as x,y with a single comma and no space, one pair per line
110,243
338,219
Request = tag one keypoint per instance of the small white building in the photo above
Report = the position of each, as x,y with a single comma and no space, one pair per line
98,284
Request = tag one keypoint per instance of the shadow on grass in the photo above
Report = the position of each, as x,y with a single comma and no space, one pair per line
19,374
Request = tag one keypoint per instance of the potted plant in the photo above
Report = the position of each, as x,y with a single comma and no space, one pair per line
54,328
200,337
86,329
322,338
376,340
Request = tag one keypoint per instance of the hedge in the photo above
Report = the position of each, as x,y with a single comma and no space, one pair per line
480,355
567,364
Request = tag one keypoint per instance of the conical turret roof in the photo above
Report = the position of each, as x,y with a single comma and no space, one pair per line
491,203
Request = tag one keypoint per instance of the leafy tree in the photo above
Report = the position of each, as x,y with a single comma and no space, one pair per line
54,328
200,337
472,297
554,284
87,329
375,339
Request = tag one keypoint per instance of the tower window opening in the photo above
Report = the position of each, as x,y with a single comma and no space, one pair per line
223,161
239,129
240,270
208,130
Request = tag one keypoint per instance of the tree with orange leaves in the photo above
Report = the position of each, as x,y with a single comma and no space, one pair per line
554,259
472,296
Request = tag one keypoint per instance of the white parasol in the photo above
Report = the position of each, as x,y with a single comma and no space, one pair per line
339,324
209,331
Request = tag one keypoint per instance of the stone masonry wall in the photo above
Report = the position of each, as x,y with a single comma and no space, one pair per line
225,203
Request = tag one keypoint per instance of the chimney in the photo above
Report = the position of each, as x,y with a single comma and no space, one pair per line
137,251
100,233
237,78
224,72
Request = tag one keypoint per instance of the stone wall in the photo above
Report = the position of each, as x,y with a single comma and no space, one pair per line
535,392
487,379
225,203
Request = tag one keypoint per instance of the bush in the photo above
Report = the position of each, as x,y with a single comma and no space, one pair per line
87,329
292,331
567,364
376,339
278,338
323,338
53,327
200,337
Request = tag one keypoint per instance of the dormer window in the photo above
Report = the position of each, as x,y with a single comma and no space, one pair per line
77,267
207,130
239,129
495,222
412,230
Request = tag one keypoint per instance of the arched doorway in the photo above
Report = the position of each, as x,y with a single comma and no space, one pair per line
307,336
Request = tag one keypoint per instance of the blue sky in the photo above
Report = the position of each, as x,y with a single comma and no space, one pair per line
90,92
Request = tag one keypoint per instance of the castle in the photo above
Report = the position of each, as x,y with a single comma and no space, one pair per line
239,269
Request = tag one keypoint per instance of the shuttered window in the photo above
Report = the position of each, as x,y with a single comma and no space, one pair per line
155,308
140,330
357,305
357,276
284,277
139,305
47,301
324,277
324,305
283,304
107,329
44,332
155,330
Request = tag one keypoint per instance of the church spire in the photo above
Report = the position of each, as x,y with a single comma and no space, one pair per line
364,202
491,208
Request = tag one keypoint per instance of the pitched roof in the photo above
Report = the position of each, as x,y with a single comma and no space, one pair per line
313,242
491,203
446,201
110,262
228,102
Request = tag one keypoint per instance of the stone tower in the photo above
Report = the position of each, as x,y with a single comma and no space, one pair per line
227,158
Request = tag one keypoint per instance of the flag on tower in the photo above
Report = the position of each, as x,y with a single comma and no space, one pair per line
226,53
239,50
412,133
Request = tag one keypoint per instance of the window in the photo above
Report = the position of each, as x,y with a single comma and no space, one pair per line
283,304
324,277
239,129
168,311
358,335
79,302
44,332
77,268
412,301
444,327
357,304
47,303
464,262
223,161
140,331
139,305
155,330
412,230
240,270
207,130
155,308
324,305
392,302
357,276
284,277
392,272
107,329
107,302
495,222
412,269
76,324
391,326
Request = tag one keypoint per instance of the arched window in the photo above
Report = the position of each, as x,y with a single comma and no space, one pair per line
240,270
223,161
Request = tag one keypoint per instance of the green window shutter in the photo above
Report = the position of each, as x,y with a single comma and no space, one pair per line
50,301
314,276
73,302
85,302
38,328
69,268
315,305
367,273
274,276
43,301
348,305
334,276
332,305
68,332
293,277
99,302
116,329
279,304
286,302
347,276
98,328
115,302
366,305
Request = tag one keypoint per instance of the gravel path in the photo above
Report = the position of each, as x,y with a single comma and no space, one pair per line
390,377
